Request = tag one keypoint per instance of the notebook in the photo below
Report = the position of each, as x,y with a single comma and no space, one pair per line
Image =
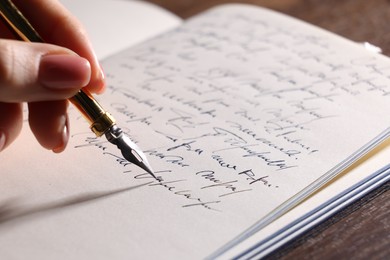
257,125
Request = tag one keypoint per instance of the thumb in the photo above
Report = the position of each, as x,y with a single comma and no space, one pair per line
40,72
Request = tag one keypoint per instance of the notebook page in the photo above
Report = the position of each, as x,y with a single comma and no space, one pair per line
237,111
114,25
369,166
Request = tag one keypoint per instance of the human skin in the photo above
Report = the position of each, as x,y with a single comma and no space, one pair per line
45,75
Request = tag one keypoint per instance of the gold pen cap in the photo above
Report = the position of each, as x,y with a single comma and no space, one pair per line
100,120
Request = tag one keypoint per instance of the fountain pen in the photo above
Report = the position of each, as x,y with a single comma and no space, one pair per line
101,122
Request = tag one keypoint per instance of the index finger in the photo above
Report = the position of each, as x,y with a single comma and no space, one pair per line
58,26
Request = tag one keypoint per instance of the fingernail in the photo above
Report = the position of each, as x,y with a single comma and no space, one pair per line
2,141
63,132
64,71
102,74
101,80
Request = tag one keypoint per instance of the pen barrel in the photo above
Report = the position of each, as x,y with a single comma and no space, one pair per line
17,23
100,120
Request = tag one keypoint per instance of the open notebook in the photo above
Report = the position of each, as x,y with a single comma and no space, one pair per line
242,112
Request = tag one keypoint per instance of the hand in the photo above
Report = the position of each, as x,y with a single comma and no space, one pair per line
44,75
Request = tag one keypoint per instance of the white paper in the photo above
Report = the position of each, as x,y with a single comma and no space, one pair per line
114,25
283,226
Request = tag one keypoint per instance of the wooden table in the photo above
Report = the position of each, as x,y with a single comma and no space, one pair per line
361,231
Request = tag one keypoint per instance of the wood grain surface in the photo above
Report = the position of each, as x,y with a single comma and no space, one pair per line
362,230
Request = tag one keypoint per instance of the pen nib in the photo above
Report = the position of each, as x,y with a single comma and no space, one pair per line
129,149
